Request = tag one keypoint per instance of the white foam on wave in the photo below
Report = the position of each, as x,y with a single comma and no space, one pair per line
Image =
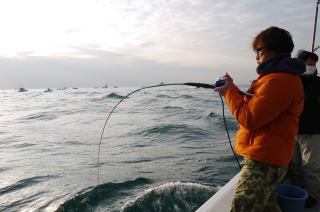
174,196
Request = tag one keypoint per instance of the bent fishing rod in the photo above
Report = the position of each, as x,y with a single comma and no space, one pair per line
218,83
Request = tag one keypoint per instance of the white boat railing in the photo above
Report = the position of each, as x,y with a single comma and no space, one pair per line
221,201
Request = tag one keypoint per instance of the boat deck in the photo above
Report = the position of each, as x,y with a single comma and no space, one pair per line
221,201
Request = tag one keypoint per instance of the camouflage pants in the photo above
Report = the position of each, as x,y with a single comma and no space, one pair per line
255,191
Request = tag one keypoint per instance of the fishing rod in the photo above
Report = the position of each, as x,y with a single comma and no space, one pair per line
313,49
218,83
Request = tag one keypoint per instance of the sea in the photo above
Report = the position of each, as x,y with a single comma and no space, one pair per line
163,149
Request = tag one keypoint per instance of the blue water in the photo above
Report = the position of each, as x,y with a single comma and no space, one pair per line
164,149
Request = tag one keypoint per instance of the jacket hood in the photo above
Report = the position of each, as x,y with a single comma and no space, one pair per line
282,63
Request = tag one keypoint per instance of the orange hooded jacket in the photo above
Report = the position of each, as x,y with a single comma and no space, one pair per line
268,121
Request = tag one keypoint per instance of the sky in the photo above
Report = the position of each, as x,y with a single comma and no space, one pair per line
88,43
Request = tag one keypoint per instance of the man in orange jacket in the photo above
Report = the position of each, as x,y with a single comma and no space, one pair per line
268,120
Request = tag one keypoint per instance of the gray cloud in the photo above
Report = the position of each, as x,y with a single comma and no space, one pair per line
103,67
190,40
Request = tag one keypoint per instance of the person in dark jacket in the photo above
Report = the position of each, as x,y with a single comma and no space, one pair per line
305,165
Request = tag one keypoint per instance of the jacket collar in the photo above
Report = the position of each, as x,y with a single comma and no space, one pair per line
281,63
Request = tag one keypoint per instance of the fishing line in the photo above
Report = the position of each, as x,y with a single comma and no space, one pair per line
198,85
225,124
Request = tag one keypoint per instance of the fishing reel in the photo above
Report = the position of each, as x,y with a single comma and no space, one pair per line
219,82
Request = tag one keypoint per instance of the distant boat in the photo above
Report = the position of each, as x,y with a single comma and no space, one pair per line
48,90
22,90
106,86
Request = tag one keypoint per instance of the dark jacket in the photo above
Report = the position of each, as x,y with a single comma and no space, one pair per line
310,117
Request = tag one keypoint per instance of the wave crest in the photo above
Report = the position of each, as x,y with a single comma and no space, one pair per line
89,199
176,196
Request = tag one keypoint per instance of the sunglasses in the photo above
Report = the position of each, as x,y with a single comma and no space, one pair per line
259,49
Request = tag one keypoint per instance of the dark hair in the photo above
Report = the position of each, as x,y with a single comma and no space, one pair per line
305,55
274,39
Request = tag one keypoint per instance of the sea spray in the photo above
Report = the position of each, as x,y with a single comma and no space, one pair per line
175,196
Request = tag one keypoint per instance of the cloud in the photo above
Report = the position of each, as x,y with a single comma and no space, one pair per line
104,67
216,27
125,41
100,68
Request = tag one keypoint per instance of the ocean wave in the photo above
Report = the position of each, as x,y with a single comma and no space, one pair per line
176,196
144,159
94,93
164,96
21,184
213,115
232,124
3,169
172,108
180,130
228,158
150,130
114,96
22,145
185,96
80,92
39,116
109,96
19,204
89,199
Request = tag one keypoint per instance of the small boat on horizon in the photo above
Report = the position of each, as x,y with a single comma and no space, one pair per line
22,90
48,90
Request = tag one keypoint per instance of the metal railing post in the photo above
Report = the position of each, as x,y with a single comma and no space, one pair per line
315,26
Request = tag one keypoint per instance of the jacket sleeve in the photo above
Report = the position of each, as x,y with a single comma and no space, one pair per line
269,100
